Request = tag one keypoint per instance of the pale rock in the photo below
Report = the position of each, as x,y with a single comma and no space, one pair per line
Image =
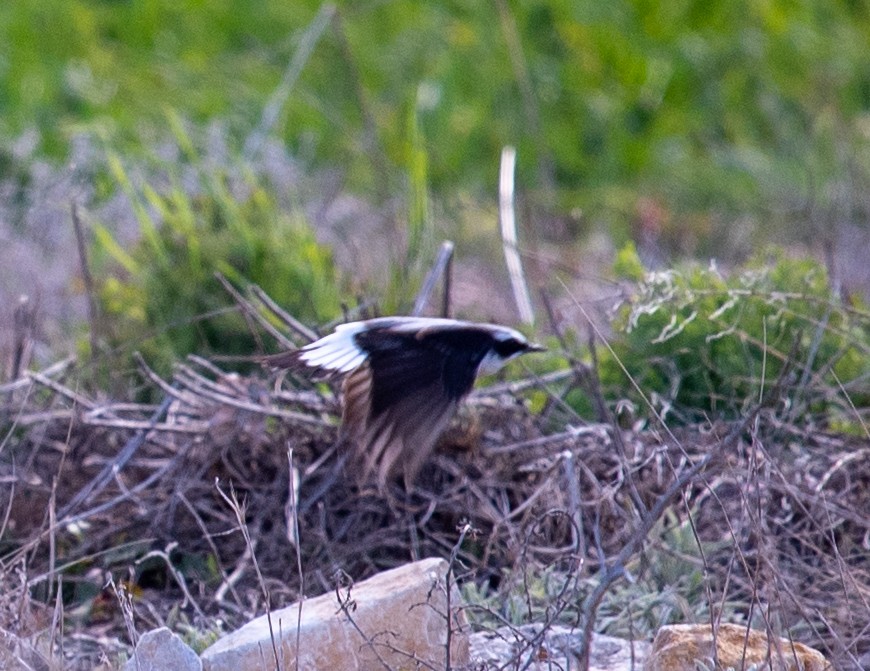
161,650
394,620
535,648
679,647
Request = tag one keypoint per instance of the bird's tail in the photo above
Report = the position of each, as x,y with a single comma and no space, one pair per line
283,360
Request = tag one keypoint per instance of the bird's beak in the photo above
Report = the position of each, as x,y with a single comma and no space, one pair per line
535,347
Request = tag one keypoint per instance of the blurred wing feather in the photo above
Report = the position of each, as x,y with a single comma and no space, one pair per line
399,439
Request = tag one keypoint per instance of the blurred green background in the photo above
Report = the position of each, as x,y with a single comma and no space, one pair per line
701,112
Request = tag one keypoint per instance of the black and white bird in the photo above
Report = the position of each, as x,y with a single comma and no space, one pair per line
404,378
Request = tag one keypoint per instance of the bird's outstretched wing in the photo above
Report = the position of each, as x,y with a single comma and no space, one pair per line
405,380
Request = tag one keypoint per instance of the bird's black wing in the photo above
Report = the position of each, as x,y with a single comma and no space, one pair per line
443,358
399,402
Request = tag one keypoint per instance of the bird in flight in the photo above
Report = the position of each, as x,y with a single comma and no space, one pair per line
404,378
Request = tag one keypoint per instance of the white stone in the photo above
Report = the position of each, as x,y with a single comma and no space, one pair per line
160,650
394,620
531,647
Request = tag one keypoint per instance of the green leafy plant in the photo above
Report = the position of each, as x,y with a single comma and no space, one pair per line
162,296
699,342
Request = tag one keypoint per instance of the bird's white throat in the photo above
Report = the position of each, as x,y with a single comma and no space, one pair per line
491,363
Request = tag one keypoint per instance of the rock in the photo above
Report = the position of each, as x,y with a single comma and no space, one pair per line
555,648
394,620
159,650
679,647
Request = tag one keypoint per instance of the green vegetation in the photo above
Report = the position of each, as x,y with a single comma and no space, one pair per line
163,297
702,344
711,110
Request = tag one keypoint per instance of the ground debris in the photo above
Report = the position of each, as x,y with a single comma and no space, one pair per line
95,487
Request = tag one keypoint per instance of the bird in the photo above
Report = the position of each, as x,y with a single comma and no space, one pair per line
403,380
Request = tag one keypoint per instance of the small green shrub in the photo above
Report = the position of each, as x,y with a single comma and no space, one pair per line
162,296
700,343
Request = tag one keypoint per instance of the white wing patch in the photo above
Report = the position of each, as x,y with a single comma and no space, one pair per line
337,351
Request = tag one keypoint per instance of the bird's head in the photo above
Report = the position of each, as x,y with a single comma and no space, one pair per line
507,344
